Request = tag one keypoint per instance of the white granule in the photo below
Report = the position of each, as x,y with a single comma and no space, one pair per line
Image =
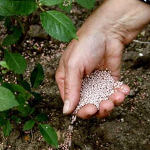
98,86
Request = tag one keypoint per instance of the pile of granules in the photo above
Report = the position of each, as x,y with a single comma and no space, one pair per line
98,86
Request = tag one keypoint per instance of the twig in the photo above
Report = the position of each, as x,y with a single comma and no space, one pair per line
32,135
142,42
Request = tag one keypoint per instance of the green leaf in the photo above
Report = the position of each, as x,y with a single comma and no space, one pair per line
37,96
7,128
17,88
16,119
21,100
58,25
32,111
14,88
12,38
4,71
37,76
7,99
49,134
28,111
35,47
15,62
25,84
17,7
5,114
2,121
23,108
1,78
50,2
8,23
89,4
65,8
41,117
1,18
29,125
3,64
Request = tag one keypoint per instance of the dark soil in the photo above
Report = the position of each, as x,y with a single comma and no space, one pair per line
128,126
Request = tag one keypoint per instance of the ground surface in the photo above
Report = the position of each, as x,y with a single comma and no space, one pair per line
127,128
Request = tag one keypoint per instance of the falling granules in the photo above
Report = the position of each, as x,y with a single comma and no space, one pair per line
98,86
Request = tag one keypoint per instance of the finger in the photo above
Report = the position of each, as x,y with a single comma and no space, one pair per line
117,98
106,108
60,76
125,89
72,86
87,111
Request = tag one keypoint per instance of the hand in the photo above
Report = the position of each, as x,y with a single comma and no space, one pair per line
100,45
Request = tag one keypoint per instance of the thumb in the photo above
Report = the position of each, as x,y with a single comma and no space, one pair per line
72,86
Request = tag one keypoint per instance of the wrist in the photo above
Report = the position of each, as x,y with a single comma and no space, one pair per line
128,18
119,19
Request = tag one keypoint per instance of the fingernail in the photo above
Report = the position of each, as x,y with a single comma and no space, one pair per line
66,106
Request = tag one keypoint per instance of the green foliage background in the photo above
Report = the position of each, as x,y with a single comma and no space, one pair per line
16,97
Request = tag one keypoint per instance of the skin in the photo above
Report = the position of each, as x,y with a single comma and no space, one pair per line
101,42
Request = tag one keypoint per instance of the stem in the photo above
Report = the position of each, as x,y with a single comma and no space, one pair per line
20,23
25,30
19,77
41,8
30,116
34,120
40,5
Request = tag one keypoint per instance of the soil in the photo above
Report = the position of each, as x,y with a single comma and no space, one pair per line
128,126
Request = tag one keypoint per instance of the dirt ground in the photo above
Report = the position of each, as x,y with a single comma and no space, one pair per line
128,126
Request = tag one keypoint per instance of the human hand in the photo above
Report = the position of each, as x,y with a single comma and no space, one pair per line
100,45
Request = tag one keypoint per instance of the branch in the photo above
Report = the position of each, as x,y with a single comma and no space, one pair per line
141,42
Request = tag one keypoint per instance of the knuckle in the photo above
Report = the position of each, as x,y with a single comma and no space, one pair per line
67,89
71,64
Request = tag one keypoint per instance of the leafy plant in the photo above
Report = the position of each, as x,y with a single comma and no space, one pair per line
16,98
15,102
